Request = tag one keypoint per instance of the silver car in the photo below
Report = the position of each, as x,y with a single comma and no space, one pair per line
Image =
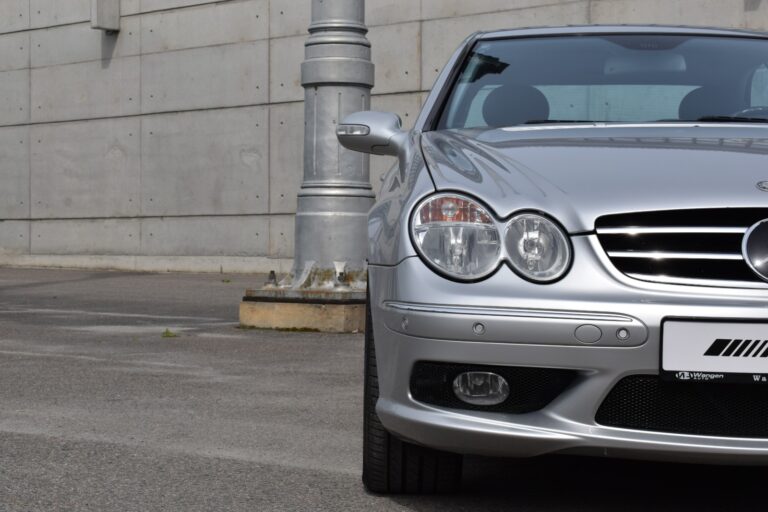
571,255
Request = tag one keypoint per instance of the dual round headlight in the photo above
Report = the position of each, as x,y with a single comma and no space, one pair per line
458,237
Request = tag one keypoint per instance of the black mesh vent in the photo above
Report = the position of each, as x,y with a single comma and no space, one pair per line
531,389
645,402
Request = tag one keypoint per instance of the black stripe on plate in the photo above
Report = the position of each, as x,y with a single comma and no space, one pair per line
742,346
717,347
751,348
731,348
760,348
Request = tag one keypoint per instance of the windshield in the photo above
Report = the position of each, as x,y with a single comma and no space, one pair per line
633,78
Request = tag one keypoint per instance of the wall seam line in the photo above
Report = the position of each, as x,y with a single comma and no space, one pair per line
146,217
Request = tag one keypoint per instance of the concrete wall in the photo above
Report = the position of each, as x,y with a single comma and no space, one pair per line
176,145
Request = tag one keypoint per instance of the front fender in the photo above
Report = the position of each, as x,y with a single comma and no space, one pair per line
404,186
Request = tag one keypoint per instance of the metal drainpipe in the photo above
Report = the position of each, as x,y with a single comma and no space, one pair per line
335,196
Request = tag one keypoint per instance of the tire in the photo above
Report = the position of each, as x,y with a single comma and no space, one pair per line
393,466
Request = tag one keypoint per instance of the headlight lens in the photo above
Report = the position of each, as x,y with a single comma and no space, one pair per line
457,235
538,248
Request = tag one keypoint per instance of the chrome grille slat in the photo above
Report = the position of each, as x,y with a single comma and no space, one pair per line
682,247
669,230
674,255
699,282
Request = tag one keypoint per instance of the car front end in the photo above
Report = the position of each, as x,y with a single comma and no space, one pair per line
596,340
559,266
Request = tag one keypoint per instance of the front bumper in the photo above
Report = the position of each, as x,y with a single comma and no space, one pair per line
419,316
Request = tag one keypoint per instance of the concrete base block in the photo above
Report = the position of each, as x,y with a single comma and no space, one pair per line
310,310
301,317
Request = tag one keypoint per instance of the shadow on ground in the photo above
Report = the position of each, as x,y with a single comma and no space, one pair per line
576,484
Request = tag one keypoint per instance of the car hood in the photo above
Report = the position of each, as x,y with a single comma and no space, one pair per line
579,173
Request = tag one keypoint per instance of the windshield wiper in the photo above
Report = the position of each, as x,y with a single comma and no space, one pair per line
732,119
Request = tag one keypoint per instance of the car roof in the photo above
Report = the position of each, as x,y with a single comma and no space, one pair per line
617,29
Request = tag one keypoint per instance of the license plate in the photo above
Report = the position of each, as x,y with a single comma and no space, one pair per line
714,352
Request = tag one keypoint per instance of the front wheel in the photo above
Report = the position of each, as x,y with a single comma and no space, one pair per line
392,466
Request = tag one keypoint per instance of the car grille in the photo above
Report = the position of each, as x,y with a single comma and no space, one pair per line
531,389
695,247
645,402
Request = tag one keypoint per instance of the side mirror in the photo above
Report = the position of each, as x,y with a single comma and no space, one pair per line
378,133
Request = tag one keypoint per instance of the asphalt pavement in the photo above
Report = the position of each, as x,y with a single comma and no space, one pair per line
138,392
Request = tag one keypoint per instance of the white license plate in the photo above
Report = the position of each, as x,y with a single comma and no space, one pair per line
715,351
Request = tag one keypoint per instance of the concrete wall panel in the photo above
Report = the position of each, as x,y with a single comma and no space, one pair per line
207,25
14,51
756,14
14,97
158,5
281,239
202,163
289,18
396,52
49,13
14,237
724,13
86,90
14,173
86,169
128,7
80,43
205,236
407,106
285,57
286,156
440,38
215,182
98,236
435,9
14,15
387,12
219,76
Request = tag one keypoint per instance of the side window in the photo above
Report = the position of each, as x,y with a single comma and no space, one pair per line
759,96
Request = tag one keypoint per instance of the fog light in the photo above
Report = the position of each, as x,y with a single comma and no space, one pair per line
481,388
